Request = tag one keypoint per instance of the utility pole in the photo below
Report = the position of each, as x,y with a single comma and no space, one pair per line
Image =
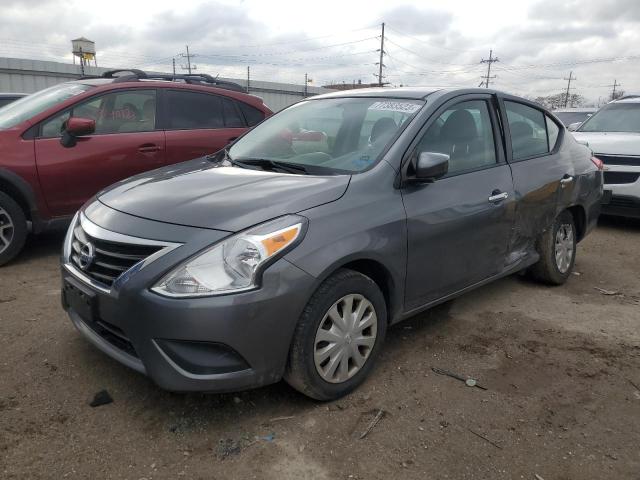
488,77
173,62
381,64
248,77
566,95
306,82
188,56
615,85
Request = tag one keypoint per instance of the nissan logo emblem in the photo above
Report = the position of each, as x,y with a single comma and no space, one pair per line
87,255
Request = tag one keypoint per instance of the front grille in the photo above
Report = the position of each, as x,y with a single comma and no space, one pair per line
111,259
619,159
621,177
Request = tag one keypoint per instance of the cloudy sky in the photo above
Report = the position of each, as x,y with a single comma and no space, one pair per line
538,42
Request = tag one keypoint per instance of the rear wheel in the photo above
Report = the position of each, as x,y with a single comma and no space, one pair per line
13,228
557,249
338,336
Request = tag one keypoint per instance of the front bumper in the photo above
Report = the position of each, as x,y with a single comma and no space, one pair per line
214,344
623,181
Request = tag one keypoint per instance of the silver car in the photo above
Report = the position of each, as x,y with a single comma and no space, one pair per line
613,133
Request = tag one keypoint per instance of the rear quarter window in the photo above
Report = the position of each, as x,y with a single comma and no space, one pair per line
528,130
252,115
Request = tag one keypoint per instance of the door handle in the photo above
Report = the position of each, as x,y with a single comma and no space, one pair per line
566,180
149,148
497,197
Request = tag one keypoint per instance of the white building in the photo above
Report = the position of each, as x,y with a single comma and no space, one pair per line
28,76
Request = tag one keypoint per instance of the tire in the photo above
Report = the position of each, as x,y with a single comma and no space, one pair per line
13,229
306,359
550,269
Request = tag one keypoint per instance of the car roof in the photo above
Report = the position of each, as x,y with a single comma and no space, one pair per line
576,110
628,99
412,93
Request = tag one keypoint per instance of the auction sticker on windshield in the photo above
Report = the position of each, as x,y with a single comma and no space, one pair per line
404,107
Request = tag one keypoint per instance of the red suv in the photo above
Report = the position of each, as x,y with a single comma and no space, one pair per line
61,145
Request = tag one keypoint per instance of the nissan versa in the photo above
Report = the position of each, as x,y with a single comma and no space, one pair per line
288,254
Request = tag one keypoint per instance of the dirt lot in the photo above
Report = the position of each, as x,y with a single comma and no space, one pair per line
561,367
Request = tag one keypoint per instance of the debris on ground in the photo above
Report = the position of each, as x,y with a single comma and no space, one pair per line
228,447
267,438
280,419
538,477
373,423
101,398
470,382
633,385
607,292
485,439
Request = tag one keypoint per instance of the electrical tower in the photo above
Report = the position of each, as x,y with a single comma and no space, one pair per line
188,56
381,63
615,85
566,96
487,78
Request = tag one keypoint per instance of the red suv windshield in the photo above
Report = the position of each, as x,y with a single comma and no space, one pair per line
31,105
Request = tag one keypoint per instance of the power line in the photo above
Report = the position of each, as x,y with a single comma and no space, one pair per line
440,47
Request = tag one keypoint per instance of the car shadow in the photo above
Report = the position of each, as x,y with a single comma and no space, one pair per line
40,246
620,223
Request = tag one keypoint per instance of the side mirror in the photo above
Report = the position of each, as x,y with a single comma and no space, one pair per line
431,166
574,126
76,127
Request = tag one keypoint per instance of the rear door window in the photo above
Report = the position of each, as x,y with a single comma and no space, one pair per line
194,110
528,130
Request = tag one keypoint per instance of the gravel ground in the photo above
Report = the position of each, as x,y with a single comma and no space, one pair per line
561,368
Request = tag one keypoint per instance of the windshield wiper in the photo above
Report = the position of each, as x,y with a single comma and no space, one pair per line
272,165
223,155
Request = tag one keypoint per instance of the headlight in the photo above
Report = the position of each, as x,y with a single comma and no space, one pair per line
234,264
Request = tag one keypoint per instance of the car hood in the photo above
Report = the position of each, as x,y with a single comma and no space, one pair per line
610,143
203,194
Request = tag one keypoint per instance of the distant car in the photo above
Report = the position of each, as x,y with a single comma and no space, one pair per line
7,98
289,253
613,134
61,145
573,117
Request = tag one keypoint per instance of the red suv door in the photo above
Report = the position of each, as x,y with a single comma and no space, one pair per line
199,123
125,142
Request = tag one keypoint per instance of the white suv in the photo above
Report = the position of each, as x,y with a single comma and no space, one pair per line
613,133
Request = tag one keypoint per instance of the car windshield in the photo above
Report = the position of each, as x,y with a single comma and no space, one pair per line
616,117
332,136
31,105
568,118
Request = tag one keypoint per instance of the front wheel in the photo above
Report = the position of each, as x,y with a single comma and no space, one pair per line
338,336
13,228
557,249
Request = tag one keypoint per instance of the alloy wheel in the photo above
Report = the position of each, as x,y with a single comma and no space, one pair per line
6,230
345,338
564,247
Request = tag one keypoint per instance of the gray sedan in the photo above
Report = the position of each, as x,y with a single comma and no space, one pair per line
288,254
